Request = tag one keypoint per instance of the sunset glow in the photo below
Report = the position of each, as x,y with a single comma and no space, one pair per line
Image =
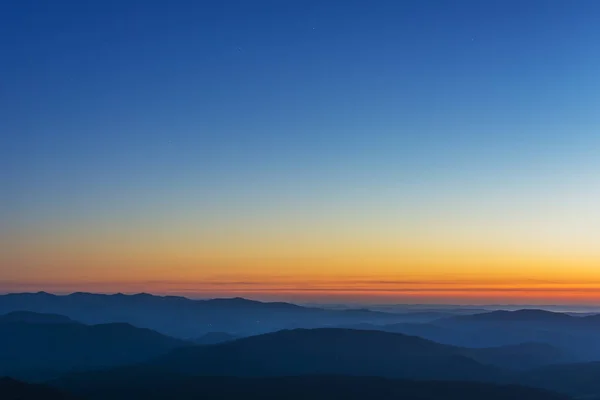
363,158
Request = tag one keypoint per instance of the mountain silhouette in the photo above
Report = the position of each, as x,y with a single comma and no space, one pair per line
350,352
11,389
104,385
35,318
581,380
525,315
568,344
520,356
35,350
186,318
425,330
576,335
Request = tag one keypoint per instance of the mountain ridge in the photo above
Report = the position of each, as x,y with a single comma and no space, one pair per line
186,318
36,318
34,351
346,352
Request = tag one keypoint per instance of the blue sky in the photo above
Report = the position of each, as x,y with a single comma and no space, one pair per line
156,114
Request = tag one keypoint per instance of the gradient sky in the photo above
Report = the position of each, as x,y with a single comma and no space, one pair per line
405,151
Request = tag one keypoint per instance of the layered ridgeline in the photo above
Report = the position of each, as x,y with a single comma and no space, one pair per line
576,335
330,361
528,347
188,319
36,346
354,352
35,318
114,359
267,361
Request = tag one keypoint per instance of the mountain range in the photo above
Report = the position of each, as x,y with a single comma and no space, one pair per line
35,318
353,352
38,351
534,348
350,355
345,353
528,316
36,346
186,318
576,335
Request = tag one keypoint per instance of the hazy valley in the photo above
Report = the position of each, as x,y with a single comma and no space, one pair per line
43,340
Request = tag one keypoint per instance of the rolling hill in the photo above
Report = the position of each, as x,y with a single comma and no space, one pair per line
523,316
352,352
576,335
35,318
37,350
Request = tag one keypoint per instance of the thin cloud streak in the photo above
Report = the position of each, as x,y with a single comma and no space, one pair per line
257,287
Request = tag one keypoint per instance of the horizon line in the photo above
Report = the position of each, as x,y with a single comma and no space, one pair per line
308,303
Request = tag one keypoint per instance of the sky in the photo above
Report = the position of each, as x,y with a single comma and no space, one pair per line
378,151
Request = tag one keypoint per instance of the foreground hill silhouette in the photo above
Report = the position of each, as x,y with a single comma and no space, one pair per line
186,318
581,380
187,372
157,387
300,352
351,352
11,389
36,349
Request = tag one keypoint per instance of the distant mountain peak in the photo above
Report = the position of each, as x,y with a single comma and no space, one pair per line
143,295
44,293
535,311
527,314
241,301
233,300
83,294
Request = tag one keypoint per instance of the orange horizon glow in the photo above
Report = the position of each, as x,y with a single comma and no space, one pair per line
467,254
362,290
410,275
453,160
